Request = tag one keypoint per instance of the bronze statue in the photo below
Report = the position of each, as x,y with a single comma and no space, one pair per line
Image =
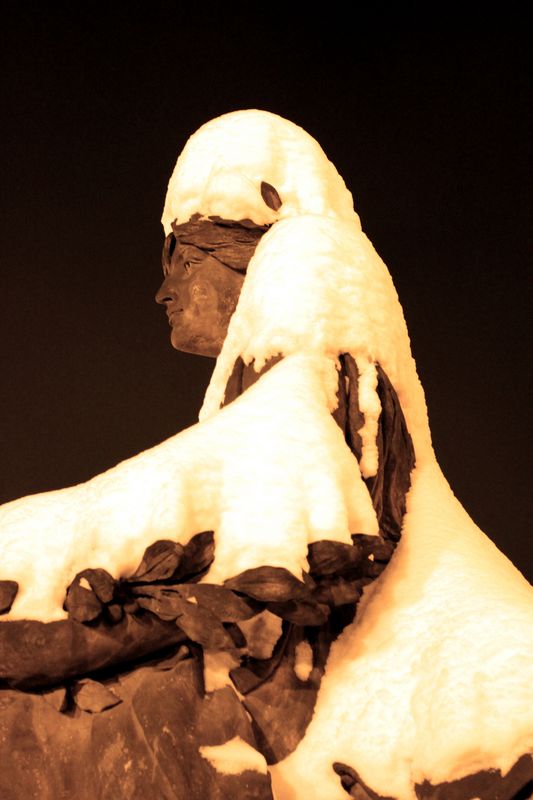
114,624
158,666
200,294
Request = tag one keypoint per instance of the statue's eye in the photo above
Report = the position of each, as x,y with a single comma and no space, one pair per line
172,245
187,266
168,249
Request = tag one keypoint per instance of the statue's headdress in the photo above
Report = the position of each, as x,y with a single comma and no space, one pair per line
254,165
231,242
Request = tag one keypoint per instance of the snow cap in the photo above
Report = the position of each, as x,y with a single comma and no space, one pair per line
223,164
316,284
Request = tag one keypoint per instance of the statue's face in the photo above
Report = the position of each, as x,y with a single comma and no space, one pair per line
200,295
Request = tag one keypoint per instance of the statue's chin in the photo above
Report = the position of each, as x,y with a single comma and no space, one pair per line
197,345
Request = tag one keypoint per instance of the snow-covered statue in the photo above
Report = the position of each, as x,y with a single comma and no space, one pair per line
285,600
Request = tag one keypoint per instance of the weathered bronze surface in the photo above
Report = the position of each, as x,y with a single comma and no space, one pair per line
119,686
204,262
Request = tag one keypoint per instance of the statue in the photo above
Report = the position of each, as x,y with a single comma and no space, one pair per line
200,292
285,600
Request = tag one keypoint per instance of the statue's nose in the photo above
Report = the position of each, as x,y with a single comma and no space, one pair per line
166,292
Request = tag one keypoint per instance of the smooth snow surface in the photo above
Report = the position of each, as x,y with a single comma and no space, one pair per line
220,171
234,757
230,474
317,285
434,679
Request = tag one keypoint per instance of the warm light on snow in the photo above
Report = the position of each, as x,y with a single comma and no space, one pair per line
229,474
303,663
223,164
234,757
314,285
434,678
217,665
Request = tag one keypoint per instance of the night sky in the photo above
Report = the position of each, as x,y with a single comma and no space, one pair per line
430,131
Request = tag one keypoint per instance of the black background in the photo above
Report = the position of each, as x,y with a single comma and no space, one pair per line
431,132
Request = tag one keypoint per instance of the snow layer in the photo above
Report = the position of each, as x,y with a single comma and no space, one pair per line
434,679
230,474
303,660
223,164
234,756
217,666
317,285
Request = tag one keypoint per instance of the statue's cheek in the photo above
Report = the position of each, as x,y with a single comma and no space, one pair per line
203,295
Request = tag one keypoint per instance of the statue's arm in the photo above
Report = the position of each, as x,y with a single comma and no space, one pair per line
107,522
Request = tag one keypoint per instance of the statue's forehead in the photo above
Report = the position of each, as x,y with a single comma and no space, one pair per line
231,242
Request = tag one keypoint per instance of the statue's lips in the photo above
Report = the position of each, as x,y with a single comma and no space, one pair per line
172,314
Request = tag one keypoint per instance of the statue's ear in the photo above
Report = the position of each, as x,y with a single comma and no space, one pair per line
270,196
